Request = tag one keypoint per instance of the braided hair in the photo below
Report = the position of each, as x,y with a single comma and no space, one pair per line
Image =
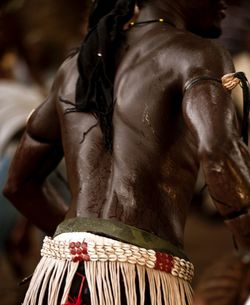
97,62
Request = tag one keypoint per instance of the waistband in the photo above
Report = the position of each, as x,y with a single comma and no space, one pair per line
121,232
87,247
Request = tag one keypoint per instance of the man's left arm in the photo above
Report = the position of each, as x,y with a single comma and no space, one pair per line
38,154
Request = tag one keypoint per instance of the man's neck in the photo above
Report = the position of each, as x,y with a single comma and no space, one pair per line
169,12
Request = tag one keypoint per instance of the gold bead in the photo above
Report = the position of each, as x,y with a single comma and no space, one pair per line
161,20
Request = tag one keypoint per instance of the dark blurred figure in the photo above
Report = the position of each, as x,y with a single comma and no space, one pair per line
42,33
236,26
225,282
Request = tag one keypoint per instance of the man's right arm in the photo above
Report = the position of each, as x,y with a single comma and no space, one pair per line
210,114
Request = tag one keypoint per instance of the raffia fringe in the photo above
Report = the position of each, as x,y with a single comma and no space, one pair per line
104,282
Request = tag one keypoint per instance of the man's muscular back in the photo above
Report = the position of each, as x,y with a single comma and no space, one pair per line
160,130
149,178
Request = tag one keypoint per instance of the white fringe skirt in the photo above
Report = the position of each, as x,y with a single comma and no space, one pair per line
107,263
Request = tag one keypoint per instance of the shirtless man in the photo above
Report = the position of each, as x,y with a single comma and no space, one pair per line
171,115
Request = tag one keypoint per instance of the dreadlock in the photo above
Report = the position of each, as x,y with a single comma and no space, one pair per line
97,61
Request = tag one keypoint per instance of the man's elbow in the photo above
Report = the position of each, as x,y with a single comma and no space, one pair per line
11,190
218,150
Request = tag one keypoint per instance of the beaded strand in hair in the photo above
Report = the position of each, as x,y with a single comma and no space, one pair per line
97,62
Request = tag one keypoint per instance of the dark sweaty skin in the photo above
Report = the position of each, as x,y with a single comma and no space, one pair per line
161,135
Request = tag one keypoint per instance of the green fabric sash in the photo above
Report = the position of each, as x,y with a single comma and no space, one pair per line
119,231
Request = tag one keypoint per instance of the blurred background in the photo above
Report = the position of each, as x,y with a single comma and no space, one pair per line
35,37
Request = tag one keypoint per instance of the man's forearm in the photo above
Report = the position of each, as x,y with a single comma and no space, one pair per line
39,205
227,174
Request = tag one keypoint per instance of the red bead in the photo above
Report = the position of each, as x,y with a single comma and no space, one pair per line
78,244
79,251
159,266
168,261
84,248
159,259
164,262
80,258
86,258
75,259
73,252
72,245
168,269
